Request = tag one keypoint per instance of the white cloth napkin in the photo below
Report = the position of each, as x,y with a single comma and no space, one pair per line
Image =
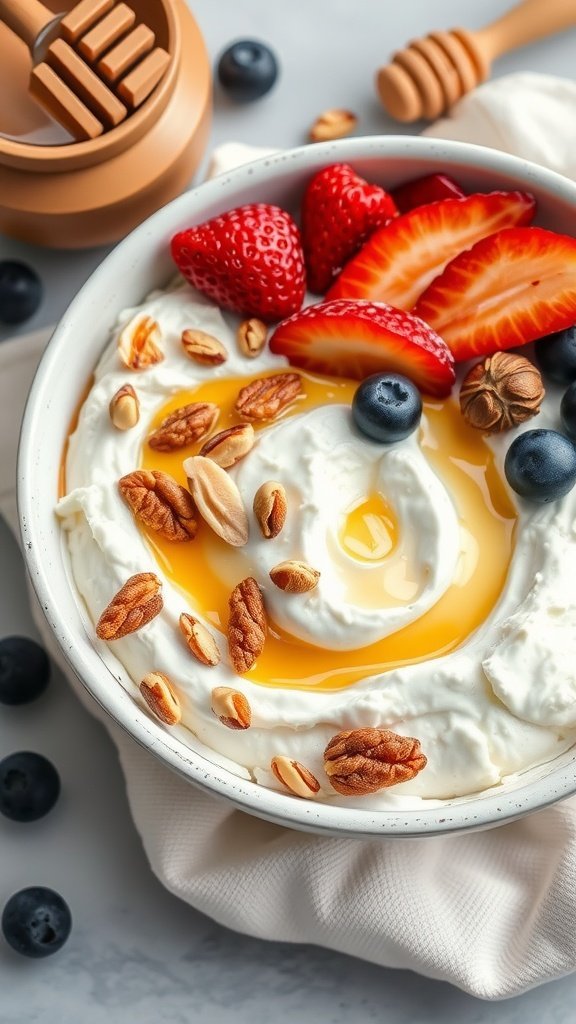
492,912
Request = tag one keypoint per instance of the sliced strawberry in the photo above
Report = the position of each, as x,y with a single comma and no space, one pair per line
429,189
249,260
354,338
511,288
339,212
400,260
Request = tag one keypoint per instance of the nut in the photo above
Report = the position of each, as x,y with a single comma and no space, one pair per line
184,426
134,606
231,707
270,508
265,397
333,124
160,503
294,577
125,408
217,499
500,392
229,446
295,777
199,639
362,761
251,337
138,342
247,626
203,348
160,697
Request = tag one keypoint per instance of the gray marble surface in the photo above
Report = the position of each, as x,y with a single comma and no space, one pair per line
137,954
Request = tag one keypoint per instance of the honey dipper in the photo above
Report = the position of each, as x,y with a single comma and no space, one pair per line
92,66
432,73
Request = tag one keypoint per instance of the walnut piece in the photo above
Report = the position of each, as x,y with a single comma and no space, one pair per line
134,606
500,392
184,426
247,625
231,707
200,641
265,397
270,507
362,761
160,503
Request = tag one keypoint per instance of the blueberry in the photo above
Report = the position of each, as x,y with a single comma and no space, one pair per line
541,465
247,69
556,355
20,292
387,407
36,922
24,670
29,786
568,411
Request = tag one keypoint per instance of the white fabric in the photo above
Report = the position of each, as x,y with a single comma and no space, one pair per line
491,912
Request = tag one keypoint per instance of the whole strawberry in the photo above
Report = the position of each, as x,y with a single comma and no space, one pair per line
340,211
248,260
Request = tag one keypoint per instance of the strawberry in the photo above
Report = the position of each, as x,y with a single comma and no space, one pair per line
400,260
249,260
429,189
513,287
354,338
339,212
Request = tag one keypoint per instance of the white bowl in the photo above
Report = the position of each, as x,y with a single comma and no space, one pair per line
140,263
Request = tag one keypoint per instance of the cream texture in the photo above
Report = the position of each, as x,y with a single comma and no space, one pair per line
503,702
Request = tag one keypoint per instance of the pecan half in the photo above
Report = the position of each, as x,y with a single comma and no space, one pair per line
270,508
160,503
231,707
251,336
134,606
217,499
184,426
203,348
295,777
294,577
333,124
200,641
264,398
363,761
229,446
138,343
161,698
247,625
124,408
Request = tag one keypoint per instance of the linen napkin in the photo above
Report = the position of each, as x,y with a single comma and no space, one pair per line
492,912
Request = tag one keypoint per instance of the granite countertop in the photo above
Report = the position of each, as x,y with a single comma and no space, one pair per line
137,953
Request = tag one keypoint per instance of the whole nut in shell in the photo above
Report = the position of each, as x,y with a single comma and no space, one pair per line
231,707
500,392
294,577
203,348
230,445
124,408
161,698
251,337
295,777
270,507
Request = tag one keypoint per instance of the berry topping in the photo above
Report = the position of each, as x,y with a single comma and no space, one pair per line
20,292
340,211
247,69
36,922
29,786
568,411
387,407
354,338
429,189
509,289
541,465
248,260
24,670
556,355
401,259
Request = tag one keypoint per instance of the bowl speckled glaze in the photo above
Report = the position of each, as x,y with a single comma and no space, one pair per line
140,263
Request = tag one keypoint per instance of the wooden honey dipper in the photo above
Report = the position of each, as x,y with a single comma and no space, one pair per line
92,65
431,74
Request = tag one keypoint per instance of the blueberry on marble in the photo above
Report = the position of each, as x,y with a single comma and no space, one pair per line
541,465
556,356
20,292
36,922
29,786
24,670
247,69
568,411
387,407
